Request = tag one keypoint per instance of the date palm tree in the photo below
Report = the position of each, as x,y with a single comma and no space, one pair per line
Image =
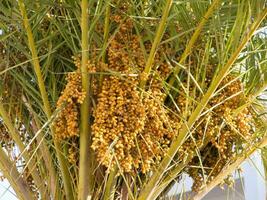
118,99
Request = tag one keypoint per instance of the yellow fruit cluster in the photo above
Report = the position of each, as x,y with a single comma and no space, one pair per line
134,129
67,120
119,117
5,139
130,129
160,129
73,153
225,128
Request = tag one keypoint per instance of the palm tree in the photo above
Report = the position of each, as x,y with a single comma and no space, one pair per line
116,100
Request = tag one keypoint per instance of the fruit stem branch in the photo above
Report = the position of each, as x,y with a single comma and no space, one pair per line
86,174
156,42
37,69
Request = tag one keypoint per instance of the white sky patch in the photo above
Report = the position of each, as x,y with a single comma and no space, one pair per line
6,192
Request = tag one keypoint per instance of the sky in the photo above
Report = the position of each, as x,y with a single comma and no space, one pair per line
6,192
